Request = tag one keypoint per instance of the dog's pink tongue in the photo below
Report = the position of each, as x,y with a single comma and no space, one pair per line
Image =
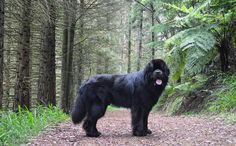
158,82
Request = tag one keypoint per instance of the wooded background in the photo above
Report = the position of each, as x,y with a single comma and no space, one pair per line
48,47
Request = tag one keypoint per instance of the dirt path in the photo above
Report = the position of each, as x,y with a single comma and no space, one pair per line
116,130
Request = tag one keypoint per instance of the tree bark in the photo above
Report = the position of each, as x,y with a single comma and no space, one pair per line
140,40
22,88
63,98
67,56
153,34
80,45
47,78
129,39
2,2
224,57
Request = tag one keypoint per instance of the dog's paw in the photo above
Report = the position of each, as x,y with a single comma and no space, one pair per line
94,134
149,131
139,133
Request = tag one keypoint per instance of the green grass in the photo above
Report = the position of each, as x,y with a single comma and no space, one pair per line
226,95
229,117
16,128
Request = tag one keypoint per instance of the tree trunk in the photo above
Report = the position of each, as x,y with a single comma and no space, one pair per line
1,48
7,71
64,68
140,35
223,49
67,56
9,51
129,39
80,45
22,88
47,78
153,34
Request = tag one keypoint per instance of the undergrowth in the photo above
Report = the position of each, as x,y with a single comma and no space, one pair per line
221,100
16,128
175,93
226,95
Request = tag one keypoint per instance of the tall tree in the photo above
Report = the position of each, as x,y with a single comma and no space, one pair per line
47,77
140,39
70,8
153,34
129,38
22,88
80,44
1,48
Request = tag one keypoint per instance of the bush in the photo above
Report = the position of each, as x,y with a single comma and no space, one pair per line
16,128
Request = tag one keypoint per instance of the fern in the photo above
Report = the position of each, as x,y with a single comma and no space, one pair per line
191,50
196,30
197,60
162,27
176,60
193,47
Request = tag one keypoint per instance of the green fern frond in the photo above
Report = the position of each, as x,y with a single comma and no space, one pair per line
162,27
191,50
176,60
197,60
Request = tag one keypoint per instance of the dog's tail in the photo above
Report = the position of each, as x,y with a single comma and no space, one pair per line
79,110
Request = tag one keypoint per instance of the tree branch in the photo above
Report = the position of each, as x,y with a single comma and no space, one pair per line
144,6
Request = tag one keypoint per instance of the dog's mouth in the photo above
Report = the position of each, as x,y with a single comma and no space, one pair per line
159,82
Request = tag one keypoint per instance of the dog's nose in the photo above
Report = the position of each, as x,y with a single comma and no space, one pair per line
158,71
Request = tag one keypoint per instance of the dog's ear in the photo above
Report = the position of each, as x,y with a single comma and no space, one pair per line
165,68
167,71
149,67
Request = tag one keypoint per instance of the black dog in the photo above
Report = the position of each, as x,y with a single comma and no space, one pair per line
138,91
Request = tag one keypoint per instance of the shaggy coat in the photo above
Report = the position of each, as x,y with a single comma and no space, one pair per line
138,91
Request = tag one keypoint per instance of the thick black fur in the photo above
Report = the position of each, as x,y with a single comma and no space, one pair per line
137,91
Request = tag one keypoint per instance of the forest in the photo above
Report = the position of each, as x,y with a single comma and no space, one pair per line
49,47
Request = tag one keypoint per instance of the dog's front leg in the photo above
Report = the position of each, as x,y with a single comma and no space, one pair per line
145,119
138,122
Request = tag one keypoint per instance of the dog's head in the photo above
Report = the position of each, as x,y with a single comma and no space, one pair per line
157,73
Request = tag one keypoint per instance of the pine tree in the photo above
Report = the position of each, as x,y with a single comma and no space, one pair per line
1,48
47,77
22,87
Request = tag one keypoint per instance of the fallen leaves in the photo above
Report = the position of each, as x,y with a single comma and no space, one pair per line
116,130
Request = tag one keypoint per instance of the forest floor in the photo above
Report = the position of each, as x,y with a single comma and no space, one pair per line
166,130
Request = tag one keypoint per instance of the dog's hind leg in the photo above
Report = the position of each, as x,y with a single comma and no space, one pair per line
95,112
